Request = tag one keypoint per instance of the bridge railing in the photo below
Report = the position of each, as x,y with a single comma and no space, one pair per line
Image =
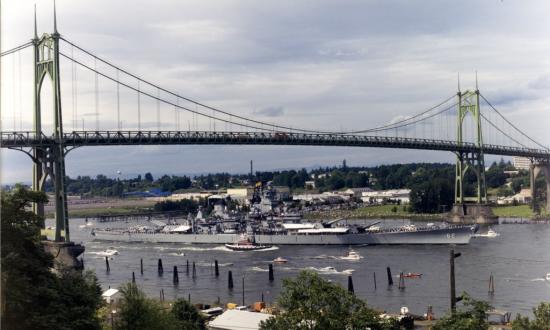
130,137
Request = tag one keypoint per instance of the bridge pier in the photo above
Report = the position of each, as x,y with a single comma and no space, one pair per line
472,213
65,254
534,171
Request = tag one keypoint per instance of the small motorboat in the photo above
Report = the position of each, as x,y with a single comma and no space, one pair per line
352,255
108,252
548,277
280,260
412,275
245,244
490,233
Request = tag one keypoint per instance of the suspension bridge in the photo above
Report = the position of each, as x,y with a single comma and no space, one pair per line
141,112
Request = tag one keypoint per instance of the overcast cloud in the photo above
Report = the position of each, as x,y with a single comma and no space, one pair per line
329,65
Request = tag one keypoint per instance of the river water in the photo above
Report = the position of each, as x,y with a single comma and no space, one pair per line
518,259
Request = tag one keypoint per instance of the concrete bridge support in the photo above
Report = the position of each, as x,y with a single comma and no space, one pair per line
535,171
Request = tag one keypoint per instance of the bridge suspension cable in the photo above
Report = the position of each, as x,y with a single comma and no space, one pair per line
270,126
511,124
16,49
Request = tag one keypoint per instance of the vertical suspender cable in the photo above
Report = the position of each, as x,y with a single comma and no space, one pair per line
118,101
96,96
139,106
20,94
13,95
72,88
158,109
176,115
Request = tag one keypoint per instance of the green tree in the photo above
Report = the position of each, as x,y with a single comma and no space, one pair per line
310,302
149,177
34,297
188,315
541,321
471,317
136,311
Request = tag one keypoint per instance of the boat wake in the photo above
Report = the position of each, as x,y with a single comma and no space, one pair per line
199,249
259,269
330,270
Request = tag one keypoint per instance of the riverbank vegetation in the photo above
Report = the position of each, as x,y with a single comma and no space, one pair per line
35,294
432,185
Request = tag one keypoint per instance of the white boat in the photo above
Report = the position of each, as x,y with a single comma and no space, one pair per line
109,252
280,260
548,277
352,255
490,233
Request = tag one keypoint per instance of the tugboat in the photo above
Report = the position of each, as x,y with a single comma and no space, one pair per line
245,244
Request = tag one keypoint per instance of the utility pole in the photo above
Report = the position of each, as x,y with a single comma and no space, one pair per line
454,299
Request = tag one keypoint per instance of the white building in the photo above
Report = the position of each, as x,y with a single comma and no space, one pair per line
111,296
377,197
238,320
521,163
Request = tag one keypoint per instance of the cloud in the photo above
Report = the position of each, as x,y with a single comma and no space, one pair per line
273,111
541,82
327,65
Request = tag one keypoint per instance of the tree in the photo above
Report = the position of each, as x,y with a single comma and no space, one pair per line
149,177
188,315
310,302
472,317
136,311
541,321
34,297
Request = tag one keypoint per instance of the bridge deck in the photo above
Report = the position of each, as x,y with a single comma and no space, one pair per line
108,138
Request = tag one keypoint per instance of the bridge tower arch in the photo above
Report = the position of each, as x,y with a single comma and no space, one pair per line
49,160
468,103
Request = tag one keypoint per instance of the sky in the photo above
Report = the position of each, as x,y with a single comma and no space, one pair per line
327,65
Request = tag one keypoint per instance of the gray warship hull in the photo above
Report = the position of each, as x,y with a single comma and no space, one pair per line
449,235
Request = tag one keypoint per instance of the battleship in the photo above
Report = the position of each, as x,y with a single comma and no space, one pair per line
291,234
267,227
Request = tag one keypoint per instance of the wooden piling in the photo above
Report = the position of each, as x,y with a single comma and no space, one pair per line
216,269
141,266
159,267
107,264
271,278
374,280
187,267
230,280
491,284
401,281
175,277
243,291
350,285
390,279
133,277
194,270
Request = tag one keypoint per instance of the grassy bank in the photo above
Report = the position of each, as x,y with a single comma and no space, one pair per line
94,211
375,211
517,211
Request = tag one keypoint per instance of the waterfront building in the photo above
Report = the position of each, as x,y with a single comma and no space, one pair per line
521,163
236,320
401,196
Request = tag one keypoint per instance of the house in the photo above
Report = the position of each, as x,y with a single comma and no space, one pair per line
523,197
309,185
111,296
238,320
